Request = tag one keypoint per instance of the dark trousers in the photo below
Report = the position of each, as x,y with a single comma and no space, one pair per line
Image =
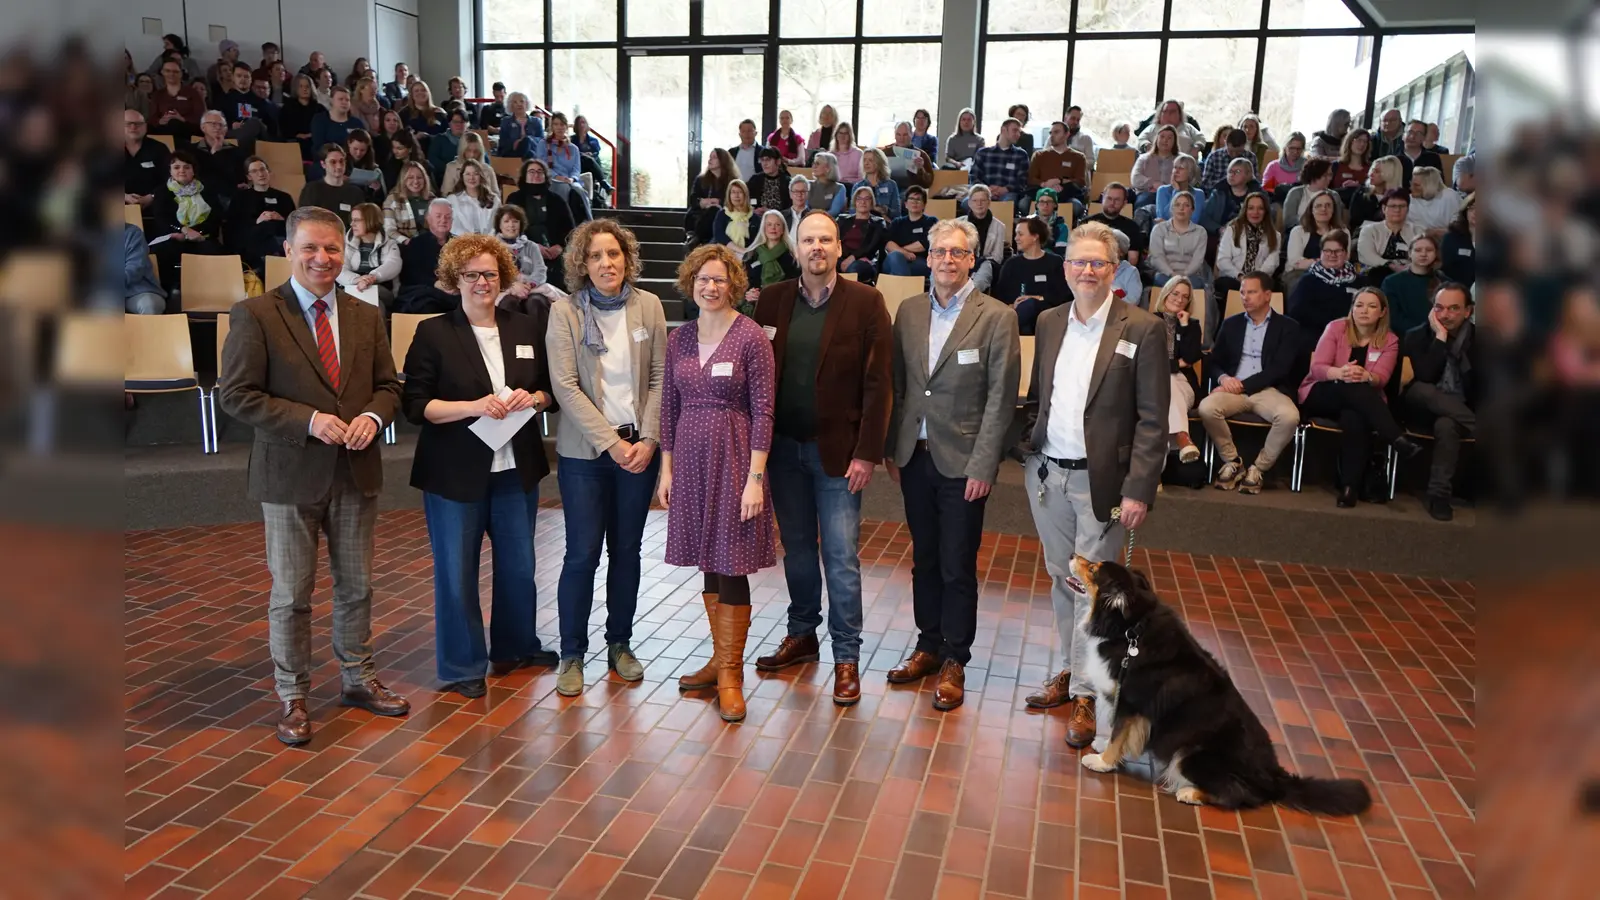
603,504
1451,420
455,534
1360,410
866,272
945,532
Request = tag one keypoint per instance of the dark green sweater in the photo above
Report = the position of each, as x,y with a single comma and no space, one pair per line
795,413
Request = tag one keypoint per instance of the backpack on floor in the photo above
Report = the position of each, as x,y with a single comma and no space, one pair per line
1182,474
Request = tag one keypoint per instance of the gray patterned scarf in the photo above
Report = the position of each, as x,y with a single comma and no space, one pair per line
589,300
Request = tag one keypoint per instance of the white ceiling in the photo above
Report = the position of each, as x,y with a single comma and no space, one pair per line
1420,12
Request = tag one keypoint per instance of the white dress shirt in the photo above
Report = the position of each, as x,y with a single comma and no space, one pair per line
1063,436
939,328
494,360
306,299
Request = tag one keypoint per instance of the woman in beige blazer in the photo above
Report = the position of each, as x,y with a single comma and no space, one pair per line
606,348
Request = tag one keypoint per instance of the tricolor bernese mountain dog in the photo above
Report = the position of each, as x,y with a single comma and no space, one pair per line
1168,696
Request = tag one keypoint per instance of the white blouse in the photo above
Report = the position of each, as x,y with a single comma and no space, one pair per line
494,360
470,217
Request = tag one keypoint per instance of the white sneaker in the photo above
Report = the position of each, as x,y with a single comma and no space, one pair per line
1252,481
1188,453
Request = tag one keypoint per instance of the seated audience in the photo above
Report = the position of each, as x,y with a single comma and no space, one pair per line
141,292
1354,360
705,196
1178,247
1219,161
909,164
1003,167
1033,279
1061,168
790,146
1223,204
1121,134
257,217
1284,172
1127,284
875,178
1114,212
1410,292
470,149
138,96
772,258
473,204
734,225
1315,176
334,124
1190,138
394,91
1443,393
1153,168
1081,140
333,192
1185,171
1464,176
362,68
187,211
176,106
846,155
371,258
1257,137
491,114
1366,203
747,153
1456,253
419,258
1433,206
1044,209
521,132
1412,154
1174,303
550,218
322,85
300,109
826,191
906,252
444,147
221,163
1431,143
1384,246
822,138
419,113
533,274
566,167
1020,112
364,103
456,88
799,202
361,165
770,186
1355,157
862,235
584,139
405,210
244,112
269,103
1324,293
960,146
1253,364
1329,141
173,47
922,136
991,249
1322,217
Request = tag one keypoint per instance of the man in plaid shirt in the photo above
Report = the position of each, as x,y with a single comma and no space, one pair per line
1216,167
1004,167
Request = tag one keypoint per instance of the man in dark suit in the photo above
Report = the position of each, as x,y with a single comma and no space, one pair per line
419,294
832,345
395,91
1412,153
1254,361
308,366
1443,392
957,361
1095,445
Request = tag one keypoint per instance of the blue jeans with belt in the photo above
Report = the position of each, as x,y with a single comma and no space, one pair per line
810,503
455,534
603,504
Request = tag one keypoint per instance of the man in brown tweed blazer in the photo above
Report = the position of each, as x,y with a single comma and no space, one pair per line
308,366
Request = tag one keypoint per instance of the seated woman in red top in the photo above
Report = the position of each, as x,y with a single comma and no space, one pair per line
788,141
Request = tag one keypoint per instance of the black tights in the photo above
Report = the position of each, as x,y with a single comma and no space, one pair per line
731,590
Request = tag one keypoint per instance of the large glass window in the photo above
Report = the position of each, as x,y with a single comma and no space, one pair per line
521,70
1121,15
895,17
592,20
1213,77
730,92
734,17
1029,72
1305,78
817,18
1224,16
658,18
584,82
1031,16
1311,14
1115,81
659,112
811,75
513,22
896,81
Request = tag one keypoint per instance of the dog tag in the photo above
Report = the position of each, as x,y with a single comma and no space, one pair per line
1133,649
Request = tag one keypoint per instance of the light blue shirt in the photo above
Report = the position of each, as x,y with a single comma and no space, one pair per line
939,328
1255,338
306,299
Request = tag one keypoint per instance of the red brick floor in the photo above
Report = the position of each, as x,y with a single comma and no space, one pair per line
634,791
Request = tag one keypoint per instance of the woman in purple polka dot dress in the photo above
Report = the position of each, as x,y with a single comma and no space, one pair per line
716,428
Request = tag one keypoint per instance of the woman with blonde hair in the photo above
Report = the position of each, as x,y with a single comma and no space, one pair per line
1433,205
1354,359
1366,203
472,148
1174,303
847,155
717,402
405,210
772,257
826,192
1185,179
875,177
1257,137
364,103
474,203
732,224
606,347
418,112
822,139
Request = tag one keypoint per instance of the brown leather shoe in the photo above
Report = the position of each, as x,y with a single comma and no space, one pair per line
919,666
294,728
706,677
952,686
373,697
1054,693
846,684
791,652
1080,730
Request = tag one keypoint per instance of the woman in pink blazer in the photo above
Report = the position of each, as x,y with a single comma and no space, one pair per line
1355,358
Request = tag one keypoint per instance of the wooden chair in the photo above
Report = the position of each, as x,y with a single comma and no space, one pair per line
944,178
278,271
896,289
283,158
165,139
36,281
403,330
223,322
1449,160
133,214
292,184
942,209
1115,160
160,360
210,284
1027,345
807,171
1005,211
1266,160
1236,303
509,166
1102,178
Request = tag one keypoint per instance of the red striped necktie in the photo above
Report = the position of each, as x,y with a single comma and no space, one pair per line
325,345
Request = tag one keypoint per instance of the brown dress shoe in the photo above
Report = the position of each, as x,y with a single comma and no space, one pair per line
952,686
294,728
846,684
706,677
919,666
1054,693
791,652
373,697
1080,730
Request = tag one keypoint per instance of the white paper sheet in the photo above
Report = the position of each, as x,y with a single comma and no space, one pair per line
497,432
370,295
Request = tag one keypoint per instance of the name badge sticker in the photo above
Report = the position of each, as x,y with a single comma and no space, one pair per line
1127,348
1011,166
722,370
1041,278
772,332
147,164
273,201
966,357
524,351
1464,251
344,207
639,335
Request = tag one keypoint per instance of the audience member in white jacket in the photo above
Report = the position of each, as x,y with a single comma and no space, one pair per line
1433,206
371,258
475,204
532,274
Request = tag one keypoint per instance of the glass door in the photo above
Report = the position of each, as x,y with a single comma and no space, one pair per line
684,104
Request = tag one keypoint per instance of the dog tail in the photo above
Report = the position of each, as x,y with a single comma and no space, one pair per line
1328,796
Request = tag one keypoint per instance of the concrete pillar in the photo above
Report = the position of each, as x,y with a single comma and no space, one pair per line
445,42
958,64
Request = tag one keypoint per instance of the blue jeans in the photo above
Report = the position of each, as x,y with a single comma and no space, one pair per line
455,533
806,501
602,503
895,264
866,272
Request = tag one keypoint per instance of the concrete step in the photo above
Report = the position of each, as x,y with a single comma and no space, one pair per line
666,234
661,268
673,252
635,217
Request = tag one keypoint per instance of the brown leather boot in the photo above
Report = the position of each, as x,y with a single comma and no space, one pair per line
952,686
707,676
731,625
792,651
1080,730
1054,693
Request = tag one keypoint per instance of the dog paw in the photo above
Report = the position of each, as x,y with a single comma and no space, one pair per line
1094,762
1191,796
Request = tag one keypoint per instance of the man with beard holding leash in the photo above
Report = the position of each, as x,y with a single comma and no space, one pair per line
1094,444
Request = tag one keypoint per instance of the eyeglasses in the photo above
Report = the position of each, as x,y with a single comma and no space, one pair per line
473,277
1098,265
710,281
950,253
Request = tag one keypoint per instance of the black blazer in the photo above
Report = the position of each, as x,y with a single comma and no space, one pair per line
1279,354
444,363
1428,356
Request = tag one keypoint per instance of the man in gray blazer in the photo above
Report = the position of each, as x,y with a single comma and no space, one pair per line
308,366
957,362
1096,442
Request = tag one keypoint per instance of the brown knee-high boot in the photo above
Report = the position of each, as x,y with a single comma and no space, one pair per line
707,676
731,625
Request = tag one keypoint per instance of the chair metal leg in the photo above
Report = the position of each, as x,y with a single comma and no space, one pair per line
216,428
205,423
1394,470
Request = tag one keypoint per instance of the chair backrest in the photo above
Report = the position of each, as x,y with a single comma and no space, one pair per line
211,283
133,214
36,280
1266,160
1027,366
222,338
158,348
944,178
288,170
1094,210
1005,211
88,347
1103,177
942,209
1115,160
807,171
403,330
1236,303
849,276
1449,170
292,184
278,270
896,289
1406,372
166,139
509,166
